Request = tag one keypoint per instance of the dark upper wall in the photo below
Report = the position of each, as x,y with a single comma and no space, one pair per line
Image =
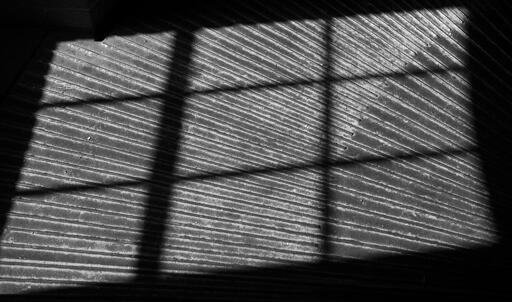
23,24
74,14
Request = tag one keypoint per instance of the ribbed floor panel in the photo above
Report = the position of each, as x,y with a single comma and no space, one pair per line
229,155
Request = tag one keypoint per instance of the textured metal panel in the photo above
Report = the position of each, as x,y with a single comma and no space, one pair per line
267,136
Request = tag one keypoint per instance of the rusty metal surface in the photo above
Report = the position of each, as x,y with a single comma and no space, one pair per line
274,127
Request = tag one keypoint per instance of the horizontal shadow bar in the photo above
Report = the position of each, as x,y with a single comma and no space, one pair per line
235,173
391,75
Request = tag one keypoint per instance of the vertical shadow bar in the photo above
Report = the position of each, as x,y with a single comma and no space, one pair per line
158,201
325,245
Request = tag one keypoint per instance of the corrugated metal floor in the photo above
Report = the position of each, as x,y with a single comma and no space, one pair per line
247,160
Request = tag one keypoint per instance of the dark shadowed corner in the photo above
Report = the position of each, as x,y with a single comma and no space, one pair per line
490,65
19,106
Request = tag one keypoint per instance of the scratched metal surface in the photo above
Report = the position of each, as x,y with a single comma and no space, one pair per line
248,183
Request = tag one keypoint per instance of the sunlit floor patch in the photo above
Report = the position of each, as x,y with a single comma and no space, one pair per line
278,145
